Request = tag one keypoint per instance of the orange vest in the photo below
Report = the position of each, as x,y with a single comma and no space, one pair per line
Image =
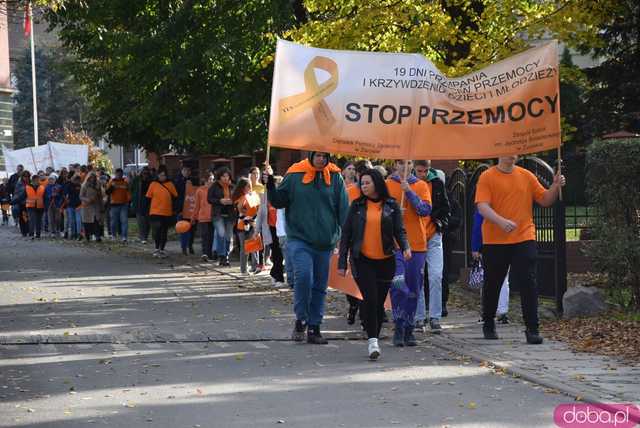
35,198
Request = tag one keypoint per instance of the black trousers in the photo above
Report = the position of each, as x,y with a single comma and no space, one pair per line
23,220
206,237
159,228
277,270
374,279
522,259
95,228
35,221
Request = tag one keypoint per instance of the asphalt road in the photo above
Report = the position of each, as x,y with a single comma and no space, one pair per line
160,343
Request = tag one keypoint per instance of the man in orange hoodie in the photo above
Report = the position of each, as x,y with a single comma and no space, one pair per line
118,188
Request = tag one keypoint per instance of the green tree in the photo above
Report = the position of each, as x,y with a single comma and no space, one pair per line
180,74
59,101
457,35
613,102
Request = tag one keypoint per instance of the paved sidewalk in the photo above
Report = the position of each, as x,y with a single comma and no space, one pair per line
553,364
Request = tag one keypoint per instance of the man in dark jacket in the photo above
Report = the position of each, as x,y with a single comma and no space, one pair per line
140,203
11,188
435,257
315,200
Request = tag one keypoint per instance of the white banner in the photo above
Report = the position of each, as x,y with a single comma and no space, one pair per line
65,154
54,155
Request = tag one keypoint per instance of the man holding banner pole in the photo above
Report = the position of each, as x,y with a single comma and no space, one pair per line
315,202
415,198
505,196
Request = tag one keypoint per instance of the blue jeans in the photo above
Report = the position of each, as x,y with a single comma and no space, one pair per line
120,220
405,288
223,227
311,270
435,265
74,222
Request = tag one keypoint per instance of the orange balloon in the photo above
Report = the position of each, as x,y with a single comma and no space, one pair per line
183,226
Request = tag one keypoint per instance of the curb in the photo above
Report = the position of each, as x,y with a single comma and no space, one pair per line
459,347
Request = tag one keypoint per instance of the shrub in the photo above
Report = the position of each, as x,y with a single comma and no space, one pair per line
613,183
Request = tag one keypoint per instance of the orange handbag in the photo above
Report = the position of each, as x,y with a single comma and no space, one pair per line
253,245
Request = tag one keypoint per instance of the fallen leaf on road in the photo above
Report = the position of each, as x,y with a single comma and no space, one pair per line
472,405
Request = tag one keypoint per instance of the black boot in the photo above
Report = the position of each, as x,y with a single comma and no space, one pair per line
533,337
398,336
191,249
351,317
489,330
298,331
314,336
409,338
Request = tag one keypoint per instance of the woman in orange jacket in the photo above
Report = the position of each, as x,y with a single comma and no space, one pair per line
161,215
35,206
202,215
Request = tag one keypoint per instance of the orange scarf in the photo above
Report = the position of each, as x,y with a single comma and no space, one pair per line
225,190
310,172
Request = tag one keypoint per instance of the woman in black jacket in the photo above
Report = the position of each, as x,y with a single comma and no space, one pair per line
222,214
370,235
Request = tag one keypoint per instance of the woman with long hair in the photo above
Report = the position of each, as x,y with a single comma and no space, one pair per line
369,236
247,203
219,196
92,199
161,192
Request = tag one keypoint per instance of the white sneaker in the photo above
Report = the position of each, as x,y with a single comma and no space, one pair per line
156,253
143,242
374,349
163,254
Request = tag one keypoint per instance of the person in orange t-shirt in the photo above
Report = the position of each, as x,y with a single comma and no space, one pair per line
353,193
202,216
118,188
505,195
162,192
369,235
409,275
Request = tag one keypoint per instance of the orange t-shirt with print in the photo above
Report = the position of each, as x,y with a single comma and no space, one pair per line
511,195
415,225
372,240
161,195
353,192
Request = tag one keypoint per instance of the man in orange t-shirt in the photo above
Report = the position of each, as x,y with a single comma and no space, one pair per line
118,188
409,275
505,196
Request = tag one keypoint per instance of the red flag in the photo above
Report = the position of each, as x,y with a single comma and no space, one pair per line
27,20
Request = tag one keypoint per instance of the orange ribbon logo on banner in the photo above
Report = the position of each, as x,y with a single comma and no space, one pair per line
313,95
